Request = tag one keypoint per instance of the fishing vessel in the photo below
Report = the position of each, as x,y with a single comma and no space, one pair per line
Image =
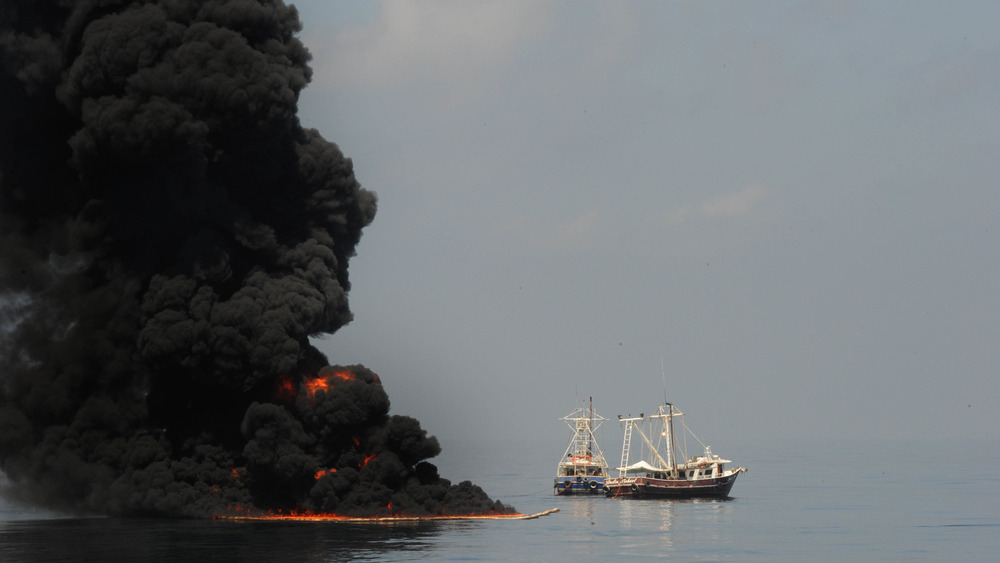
657,473
582,469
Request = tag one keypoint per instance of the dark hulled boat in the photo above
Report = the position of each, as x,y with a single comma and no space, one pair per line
704,476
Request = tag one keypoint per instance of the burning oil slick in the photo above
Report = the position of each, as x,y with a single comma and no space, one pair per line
171,238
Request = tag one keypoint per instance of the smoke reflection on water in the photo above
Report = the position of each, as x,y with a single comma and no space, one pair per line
110,539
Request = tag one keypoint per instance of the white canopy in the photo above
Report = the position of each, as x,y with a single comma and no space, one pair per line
639,467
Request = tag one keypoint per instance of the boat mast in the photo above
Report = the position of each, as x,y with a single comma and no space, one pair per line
672,459
670,431
583,442
590,424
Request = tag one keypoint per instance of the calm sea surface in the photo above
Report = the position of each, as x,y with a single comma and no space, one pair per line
809,502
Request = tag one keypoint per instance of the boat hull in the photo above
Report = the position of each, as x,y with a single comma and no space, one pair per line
647,487
577,486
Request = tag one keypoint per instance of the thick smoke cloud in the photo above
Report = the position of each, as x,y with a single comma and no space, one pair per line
171,238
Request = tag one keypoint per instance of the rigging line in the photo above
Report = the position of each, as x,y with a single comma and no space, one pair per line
529,494
691,432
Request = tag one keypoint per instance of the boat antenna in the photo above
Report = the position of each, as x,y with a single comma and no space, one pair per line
663,372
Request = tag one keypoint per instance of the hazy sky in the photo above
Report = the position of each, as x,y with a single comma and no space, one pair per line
793,206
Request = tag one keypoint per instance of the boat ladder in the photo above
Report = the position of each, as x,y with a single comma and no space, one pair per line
626,446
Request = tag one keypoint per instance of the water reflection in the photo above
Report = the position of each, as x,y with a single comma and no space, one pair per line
581,508
639,516
107,539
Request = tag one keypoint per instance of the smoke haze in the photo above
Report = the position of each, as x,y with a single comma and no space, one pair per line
171,239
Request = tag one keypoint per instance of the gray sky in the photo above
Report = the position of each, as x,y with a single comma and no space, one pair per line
794,206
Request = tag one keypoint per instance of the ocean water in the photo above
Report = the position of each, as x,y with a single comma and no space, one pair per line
897,501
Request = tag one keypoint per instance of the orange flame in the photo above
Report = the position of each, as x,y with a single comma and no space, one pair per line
241,513
323,382
316,385
300,515
343,375
285,388
367,459
324,472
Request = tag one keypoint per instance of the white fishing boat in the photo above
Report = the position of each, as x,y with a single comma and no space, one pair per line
658,474
582,469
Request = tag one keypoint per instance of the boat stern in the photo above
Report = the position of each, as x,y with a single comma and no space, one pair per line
578,485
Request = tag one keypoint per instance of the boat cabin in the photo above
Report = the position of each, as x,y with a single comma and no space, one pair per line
579,465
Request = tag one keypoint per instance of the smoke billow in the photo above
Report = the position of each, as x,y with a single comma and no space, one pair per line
171,238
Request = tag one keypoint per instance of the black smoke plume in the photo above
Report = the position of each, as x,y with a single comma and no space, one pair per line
171,239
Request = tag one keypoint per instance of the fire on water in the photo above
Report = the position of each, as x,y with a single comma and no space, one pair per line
313,517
